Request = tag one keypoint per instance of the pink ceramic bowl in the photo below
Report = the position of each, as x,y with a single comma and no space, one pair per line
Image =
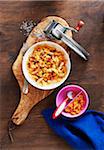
62,95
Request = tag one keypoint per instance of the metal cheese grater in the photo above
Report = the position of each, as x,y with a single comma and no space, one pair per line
56,30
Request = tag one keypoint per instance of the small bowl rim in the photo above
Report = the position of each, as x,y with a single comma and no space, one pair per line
30,80
68,115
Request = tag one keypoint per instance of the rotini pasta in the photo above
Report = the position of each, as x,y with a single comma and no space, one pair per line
76,106
46,65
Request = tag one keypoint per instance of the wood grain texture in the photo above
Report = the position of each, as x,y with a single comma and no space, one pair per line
34,95
34,133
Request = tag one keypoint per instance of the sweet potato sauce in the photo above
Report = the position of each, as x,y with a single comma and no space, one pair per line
46,65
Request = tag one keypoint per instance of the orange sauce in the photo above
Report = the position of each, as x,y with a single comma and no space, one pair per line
46,65
76,106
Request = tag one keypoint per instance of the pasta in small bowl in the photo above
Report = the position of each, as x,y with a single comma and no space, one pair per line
46,65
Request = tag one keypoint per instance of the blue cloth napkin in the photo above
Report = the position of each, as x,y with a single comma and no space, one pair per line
83,133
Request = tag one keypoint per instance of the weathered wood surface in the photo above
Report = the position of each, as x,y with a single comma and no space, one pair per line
34,133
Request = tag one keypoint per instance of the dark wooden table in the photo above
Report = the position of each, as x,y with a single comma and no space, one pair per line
35,133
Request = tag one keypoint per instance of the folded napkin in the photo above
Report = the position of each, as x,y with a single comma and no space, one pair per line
83,133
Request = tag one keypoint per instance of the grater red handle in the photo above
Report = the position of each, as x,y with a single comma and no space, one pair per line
79,25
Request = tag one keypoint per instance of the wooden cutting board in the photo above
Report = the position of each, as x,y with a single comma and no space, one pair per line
34,95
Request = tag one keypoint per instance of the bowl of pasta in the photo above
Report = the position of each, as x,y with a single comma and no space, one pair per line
46,65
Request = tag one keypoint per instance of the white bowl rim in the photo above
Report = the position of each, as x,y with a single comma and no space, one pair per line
33,82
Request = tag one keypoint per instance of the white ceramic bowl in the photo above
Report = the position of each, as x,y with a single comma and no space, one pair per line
33,82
